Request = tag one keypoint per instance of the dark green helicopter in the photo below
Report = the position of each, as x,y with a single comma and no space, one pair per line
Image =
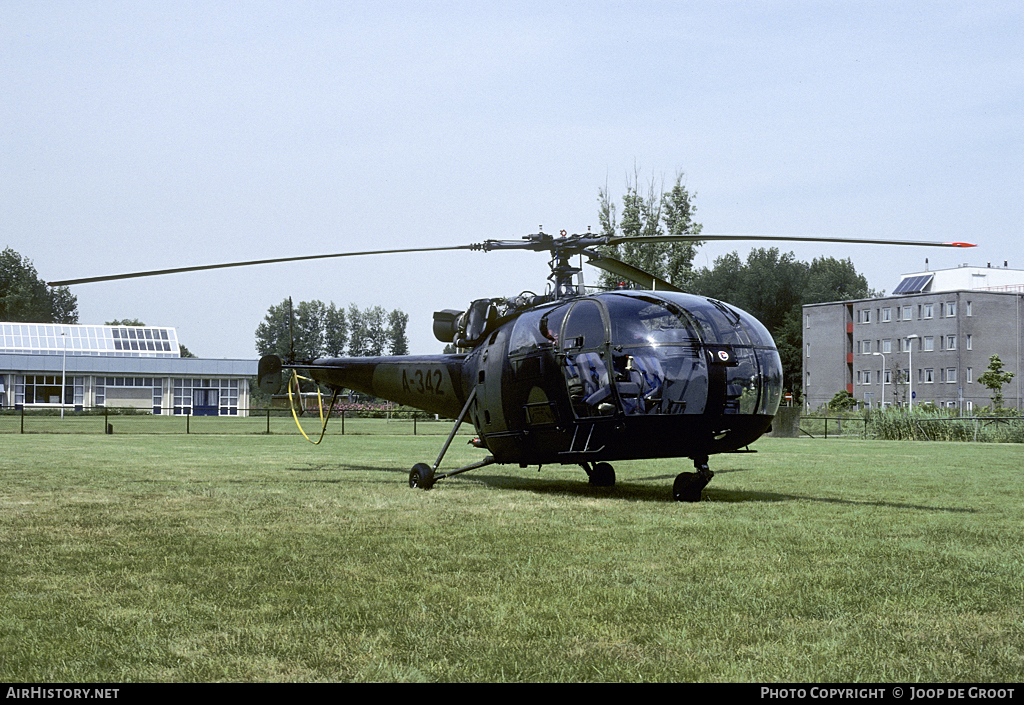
576,378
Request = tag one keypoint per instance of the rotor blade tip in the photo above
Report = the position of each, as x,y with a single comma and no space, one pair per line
961,244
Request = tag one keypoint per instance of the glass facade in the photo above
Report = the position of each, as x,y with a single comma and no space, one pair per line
60,339
115,367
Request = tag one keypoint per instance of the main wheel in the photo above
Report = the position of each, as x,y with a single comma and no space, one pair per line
422,476
602,475
687,487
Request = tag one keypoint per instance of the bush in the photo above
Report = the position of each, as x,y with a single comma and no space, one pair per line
926,424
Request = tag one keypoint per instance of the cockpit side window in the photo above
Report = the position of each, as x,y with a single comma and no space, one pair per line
584,328
536,329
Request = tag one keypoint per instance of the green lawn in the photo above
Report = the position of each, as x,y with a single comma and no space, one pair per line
263,558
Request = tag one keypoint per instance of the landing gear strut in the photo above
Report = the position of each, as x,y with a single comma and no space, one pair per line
424,476
688,485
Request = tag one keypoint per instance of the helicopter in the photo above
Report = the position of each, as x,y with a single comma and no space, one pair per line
572,377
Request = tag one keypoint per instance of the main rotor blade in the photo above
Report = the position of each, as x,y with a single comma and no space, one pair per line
621,269
616,239
199,268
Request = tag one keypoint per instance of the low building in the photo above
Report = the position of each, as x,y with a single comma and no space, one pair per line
116,366
927,343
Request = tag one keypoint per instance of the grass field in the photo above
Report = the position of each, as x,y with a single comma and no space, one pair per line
262,558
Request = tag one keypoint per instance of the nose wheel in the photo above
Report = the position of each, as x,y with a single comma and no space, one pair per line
688,485
421,476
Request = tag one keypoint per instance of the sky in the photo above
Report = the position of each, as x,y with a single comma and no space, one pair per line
148,135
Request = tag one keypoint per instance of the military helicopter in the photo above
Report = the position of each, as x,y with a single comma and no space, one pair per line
576,378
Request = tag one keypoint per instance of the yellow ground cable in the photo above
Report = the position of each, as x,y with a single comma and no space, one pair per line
320,400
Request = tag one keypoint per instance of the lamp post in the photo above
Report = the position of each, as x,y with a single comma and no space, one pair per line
882,355
63,373
910,372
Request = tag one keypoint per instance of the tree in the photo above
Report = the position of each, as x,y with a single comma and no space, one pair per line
829,279
842,401
398,343
312,329
647,213
335,331
994,379
25,298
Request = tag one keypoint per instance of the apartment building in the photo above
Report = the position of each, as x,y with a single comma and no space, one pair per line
926,343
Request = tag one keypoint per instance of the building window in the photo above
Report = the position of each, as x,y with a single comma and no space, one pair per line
968,308
951,309
886,315
950,375
129,392
212,397
908,313
887,346
928,311
928,343
929,375
46,389
968,341
950,342
970,375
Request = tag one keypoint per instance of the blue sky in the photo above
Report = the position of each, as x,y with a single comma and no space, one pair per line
160,134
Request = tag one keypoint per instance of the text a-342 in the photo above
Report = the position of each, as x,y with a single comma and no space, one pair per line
423,381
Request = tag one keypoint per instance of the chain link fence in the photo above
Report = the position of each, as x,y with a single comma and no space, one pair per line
247,422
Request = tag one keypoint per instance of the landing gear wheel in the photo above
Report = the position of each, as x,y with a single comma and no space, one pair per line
422,476
688,485
602,475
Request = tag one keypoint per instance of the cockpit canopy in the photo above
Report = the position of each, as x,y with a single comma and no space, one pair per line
665,343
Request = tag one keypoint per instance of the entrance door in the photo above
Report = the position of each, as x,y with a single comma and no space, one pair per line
205,402
583,350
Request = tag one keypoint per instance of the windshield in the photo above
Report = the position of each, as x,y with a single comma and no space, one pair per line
662,346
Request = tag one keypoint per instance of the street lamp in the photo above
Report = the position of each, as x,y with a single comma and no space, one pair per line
63,373
910,372
882,355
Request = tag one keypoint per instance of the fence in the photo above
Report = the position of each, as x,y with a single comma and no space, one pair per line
259,421
901,426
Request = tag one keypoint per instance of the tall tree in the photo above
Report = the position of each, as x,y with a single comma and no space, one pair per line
398,343
646,212
25,298
830,279
375,323
314,330
335,331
